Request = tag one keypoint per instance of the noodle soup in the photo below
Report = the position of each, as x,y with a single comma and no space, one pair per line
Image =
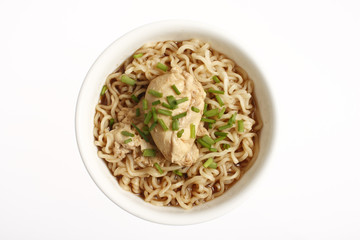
177,123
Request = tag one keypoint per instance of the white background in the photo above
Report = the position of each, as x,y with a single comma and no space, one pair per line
308,50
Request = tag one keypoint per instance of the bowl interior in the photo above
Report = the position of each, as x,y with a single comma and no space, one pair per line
108,61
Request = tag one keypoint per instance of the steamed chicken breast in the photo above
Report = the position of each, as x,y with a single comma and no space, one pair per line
181,151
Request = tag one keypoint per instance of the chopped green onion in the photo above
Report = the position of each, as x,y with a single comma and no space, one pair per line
225,127
127,80
240,125
111,122
127,141
162,124
213,149
216,79
179,115
213,165
232,119
145,129
156,103
208,162
176,89
208,120
140,132
208,139
148,117
192,130
210,125
180,133
177,172
219,139
204,144
167,105
216,91
182,100
149,153
134,98
152,126
211,112
172,101
155,117
226,146
164,112
175,125
221,113
221,134
138,112
158,168
155,93
126,133
139,55
145,104
103,90
195,109
205,107
162,67
219,100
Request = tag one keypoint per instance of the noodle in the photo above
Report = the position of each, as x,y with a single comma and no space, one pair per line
198,184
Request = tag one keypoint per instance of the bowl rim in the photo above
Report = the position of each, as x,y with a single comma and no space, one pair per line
166,218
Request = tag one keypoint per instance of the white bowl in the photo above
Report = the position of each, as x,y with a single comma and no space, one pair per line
108,61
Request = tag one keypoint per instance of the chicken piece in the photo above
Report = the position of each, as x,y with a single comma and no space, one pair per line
181,151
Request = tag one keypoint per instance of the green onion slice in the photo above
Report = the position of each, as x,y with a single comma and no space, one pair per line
213,149
179,115
111,122
192,131
149,153
162,124
208,120
162,67
127,141
225,127
139,55
172,101
221,134
175,125
128,134
103,90
221,113
155,117
166,106
211,113
164,112
177,172
203,143
195,109
152,126
210,125
240,125
157,166
219,100
145,104
156,103
145,129
155,93
216,91
208,162
219,139
232,119
148,117
176,90
138,112
140,132
205,107
180,133
127,80
213,165
216,79
226,146
182,100
208,140
134,98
